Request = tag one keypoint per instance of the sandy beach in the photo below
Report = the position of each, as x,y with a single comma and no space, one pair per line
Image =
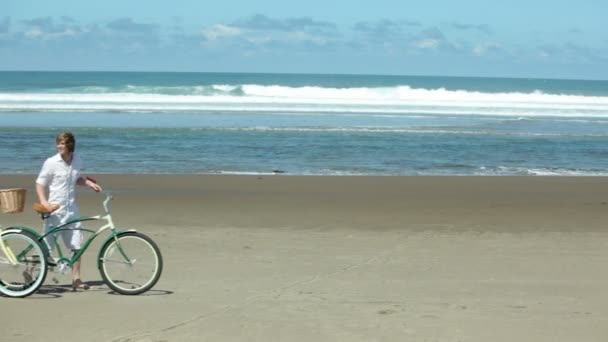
296,258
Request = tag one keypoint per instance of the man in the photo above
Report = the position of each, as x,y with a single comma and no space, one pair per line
58,178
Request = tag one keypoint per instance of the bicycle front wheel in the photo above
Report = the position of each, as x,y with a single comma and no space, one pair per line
22,264
130,263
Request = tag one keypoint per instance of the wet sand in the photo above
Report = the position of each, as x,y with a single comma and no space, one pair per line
290,258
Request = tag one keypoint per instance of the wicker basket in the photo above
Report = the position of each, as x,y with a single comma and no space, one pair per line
12,200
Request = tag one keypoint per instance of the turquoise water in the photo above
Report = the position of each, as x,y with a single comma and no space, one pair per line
306,124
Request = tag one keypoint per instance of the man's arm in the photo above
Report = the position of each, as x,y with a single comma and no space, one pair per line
86,181
41,191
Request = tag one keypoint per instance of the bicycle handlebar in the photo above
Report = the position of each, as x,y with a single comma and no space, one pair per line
44,213
106,202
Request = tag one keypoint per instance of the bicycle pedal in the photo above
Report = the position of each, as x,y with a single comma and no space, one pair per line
52,261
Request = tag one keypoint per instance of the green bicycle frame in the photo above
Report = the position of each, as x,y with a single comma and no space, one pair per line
70,261
75,256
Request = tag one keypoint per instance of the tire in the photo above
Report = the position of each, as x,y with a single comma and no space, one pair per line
26,277
137,276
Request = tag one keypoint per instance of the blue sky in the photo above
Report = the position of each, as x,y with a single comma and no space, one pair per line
544,39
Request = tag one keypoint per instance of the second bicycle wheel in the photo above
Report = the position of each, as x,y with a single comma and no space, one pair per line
22,264
131,263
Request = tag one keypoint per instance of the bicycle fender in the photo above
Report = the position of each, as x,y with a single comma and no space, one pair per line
11,230
18,229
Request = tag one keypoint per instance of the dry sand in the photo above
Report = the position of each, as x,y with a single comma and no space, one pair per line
289,258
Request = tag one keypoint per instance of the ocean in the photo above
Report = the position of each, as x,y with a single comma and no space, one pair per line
301,124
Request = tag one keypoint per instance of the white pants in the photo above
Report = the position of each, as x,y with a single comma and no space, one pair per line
72,237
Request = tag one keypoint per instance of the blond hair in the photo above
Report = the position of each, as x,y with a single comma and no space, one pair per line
68,139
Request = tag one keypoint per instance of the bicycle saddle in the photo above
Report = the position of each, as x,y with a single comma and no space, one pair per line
42,210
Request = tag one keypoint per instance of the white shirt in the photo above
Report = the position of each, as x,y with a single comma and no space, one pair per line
60,180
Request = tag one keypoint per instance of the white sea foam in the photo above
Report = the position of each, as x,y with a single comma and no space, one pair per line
537,171
381,129
252,98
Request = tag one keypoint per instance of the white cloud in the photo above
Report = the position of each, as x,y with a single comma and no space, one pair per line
221,31
267,34
485,48
306,37
427,44
38,33
260,22
34,33
260,39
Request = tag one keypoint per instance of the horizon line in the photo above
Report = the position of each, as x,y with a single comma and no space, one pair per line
305,73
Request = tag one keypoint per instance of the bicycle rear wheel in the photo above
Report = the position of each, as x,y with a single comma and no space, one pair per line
131,263
22,264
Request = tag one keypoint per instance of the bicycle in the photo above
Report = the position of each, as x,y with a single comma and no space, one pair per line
129,262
